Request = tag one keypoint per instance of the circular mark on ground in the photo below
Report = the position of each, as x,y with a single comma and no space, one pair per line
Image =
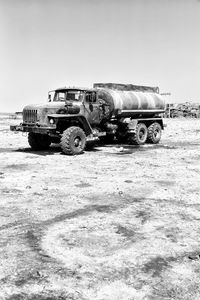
83,239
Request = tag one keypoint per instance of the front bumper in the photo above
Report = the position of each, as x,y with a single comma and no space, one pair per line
33,128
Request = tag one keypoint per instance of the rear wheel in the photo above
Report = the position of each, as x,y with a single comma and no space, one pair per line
140,135
38,141
154,133
73,141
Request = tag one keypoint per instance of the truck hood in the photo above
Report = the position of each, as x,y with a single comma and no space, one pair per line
39,112
49,105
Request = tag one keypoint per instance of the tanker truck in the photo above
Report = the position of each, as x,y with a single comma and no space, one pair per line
75,117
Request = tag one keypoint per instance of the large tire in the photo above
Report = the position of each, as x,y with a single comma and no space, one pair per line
140,135
73,141
38,141
154,133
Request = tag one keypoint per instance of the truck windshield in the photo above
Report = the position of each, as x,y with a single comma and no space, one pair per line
73,95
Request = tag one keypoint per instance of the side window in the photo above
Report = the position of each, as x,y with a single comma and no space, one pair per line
59,96
90,97
94,97
87,97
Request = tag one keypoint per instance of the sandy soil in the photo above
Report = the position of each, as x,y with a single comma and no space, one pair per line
118,222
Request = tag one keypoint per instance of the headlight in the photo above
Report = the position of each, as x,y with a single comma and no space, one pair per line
51,121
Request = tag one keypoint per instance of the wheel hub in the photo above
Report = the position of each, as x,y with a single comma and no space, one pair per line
77,142
141,134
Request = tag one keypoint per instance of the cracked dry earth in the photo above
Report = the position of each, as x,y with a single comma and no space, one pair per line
118,222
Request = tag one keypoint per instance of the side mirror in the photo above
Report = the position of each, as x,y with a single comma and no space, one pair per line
49,98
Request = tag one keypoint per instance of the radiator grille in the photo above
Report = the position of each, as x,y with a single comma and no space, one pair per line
30,115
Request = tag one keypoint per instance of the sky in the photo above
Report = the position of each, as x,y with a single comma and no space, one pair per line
47,44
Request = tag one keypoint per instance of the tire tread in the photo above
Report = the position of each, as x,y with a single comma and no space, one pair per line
65,140
151,129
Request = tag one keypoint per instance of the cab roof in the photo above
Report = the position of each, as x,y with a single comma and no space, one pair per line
75,89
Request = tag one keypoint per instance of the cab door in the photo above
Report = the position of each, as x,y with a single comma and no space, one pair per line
91,105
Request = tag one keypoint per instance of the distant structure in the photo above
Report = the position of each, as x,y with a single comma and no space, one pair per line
177,110
18,113
187,109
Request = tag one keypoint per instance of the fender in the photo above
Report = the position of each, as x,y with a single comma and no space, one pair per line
80,118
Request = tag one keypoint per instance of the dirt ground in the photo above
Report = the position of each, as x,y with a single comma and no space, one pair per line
118,222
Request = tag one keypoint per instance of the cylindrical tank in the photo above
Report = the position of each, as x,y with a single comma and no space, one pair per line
131,103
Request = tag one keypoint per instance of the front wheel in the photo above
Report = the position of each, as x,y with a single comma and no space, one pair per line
73,141
154,133
38,141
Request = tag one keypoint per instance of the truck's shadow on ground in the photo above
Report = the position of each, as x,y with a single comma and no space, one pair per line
114,148
51,151
119,149
124,149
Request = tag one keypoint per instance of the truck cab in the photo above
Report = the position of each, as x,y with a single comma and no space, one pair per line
86,100
66,107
